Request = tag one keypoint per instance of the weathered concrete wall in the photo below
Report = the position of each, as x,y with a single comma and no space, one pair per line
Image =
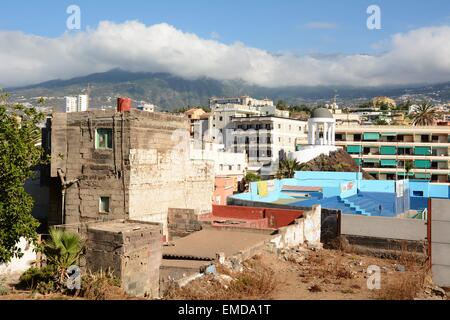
132,250
440,241
182,222
147,170
383,227
305,230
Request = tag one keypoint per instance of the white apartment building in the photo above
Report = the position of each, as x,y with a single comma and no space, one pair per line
221,117
83,102
71,104
226,164
265,140
148,107
223,110
79,103
243,100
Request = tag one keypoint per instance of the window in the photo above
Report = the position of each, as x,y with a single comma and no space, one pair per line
239,167
221,167
418,193
220,118
279,126
230,168
103,138
103,206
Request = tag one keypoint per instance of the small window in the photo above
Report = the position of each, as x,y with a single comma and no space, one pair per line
104,204
418,193
103,139
239,167
230,168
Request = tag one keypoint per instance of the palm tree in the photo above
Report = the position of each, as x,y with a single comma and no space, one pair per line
424,115
287,168
62,251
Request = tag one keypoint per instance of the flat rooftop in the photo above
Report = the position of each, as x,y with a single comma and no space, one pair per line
123,226
204,244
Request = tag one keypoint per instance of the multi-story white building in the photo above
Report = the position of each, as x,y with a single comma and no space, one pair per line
83,102
221,117
79,103
223,110
226,164
265,140
243,100
71,104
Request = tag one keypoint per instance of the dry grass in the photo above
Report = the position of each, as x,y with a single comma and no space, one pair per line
324,267
101,286
405,286
255,282
408,284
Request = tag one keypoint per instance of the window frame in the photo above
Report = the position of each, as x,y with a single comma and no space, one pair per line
100,198
109,135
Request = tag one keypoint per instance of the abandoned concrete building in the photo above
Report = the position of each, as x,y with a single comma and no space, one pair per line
108,165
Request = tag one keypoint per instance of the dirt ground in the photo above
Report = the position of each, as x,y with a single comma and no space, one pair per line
303,274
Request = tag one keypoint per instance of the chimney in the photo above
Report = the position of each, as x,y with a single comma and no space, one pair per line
123,104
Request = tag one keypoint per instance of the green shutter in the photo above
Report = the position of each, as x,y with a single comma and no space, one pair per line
371,160
423,151
354,149
405,174
388,163
423,176
358,161
388,150
422,164
371,136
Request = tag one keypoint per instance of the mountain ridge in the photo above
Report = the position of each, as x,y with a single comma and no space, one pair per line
172,92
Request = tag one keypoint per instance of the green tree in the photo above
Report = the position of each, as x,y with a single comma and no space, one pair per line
380,122
281,105
424,115
19,154
287,168
252,177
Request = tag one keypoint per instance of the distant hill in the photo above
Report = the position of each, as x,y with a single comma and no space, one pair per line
172,92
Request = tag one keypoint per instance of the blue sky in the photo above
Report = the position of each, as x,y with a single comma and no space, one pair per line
264,42
277,26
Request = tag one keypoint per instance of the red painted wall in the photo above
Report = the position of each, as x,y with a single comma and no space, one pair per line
276,218
280,217
238,212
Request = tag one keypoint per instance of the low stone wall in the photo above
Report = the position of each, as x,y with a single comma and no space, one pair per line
305,230
182,222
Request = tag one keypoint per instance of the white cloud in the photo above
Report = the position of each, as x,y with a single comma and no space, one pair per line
321,25
419,56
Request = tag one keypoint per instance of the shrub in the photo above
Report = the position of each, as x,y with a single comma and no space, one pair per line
3,287
101,286
41,280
